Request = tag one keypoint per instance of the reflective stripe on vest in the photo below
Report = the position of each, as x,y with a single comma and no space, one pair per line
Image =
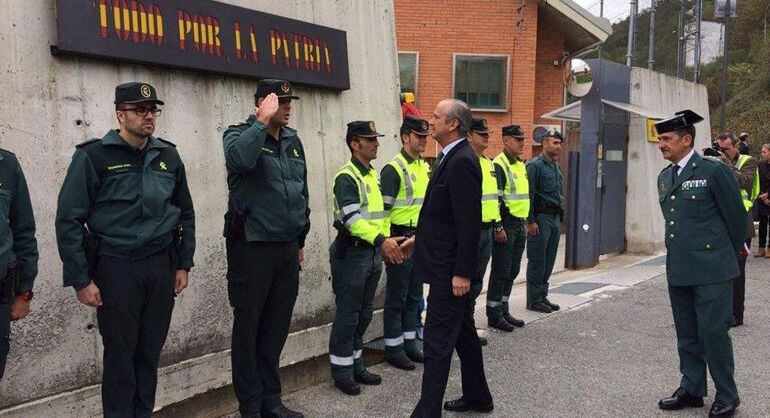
411,194
748,201
490,210
371,208
516,192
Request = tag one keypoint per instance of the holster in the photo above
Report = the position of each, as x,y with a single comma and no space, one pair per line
176,242
91,244
9,282
235,219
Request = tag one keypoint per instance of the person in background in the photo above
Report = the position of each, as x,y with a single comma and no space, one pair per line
743,145
407,106
762,204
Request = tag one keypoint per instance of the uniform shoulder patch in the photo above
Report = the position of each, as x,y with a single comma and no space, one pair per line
166,142
89,142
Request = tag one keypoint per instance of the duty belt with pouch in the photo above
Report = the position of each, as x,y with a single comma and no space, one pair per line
235,219
402,231
91,244
346,241
550,210
9,282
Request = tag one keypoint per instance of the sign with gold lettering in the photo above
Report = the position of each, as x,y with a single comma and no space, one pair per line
204,35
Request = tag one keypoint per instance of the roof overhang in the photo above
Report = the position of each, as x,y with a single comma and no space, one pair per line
572,111
581,29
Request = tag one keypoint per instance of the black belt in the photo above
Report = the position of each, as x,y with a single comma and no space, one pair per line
402,230
353,242
487,225
158,245
548,210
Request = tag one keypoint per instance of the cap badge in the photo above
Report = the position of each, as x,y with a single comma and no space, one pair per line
145,91
371,126
484,123
285,87
424,126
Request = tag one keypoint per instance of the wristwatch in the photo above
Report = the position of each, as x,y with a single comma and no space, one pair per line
499,228
26,295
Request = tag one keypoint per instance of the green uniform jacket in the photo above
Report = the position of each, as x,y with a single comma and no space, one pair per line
267,180
545,184
133,204
705,222
17,223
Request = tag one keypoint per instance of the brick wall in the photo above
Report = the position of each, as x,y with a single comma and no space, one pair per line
437,29
549,78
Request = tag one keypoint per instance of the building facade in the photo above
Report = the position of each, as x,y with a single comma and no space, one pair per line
505,58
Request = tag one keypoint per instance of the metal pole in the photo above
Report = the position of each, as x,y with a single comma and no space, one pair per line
601,8
651,51
698,18
631,33
728,14
680,42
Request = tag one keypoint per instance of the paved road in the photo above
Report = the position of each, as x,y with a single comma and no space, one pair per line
612,356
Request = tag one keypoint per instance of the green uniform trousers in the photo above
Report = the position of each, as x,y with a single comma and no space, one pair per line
702,316
403,292
506,262
541,253
354,281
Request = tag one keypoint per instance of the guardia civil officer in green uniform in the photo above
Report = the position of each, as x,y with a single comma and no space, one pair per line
265,229
18,249
356,256
510,236
705,227
125,227
546,198
403,181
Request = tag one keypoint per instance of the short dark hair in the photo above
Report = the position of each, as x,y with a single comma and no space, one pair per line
728,135
690,130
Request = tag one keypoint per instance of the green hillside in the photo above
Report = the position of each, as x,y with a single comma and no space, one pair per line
748,106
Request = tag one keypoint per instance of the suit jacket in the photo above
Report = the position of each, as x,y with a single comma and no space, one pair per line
705,222
450,219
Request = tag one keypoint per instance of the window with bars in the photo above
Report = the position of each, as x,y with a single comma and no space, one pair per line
481,81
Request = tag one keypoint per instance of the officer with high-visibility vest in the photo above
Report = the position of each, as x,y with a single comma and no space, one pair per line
356,256
511,235
404,180
746,170
490,210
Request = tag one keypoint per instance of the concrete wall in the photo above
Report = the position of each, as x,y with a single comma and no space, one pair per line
666,95
50,104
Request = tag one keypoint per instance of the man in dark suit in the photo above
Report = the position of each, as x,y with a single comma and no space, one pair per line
705,227
446,248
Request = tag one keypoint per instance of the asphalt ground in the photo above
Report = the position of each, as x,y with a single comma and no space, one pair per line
614,356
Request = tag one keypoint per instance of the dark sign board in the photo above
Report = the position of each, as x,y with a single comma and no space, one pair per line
204,35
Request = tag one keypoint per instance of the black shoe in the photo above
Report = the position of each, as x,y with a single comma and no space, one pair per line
718,410
401,362
281,411
539,307
366,378
679,400
415,355
554,307
462,405
348,386
513,321
501,324
483,340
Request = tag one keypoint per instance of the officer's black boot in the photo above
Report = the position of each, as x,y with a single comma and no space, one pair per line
513,321
539,307
413,351
554,307
500,324
366,378
280,411
401,361
348,386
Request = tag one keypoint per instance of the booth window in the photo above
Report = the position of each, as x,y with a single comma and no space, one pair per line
481,81
407,71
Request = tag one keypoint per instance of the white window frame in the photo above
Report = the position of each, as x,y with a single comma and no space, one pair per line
507,78
416,73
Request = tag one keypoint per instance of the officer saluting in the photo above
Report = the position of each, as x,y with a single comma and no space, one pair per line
705,227
265,229
356,257
404,181
125,228
546,197
18,249
510,237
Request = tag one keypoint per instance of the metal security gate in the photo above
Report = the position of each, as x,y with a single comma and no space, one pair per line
613,171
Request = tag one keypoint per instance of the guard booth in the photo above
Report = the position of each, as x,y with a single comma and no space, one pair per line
611,180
